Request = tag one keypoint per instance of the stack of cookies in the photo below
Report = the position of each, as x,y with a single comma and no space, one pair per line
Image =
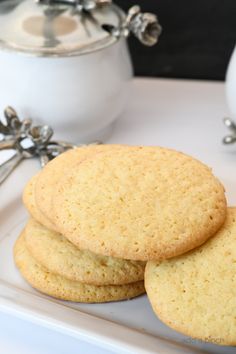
99,213
57,267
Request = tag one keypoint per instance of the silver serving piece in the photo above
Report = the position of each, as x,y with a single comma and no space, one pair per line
230,139
144,26
27,141
80,5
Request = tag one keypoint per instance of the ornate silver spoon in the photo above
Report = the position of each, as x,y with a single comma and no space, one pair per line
27,141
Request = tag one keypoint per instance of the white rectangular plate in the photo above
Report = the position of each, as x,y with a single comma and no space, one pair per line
128,326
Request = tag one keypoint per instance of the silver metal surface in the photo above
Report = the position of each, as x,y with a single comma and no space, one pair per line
50,28
27,141
230,139
7,167
11,126
144,26
80,5
62,28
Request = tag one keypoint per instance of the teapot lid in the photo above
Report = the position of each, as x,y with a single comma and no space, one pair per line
58,27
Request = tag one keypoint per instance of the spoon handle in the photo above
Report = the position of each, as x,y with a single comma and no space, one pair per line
7,144
7,167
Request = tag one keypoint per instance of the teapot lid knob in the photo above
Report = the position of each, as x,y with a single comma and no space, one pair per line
145,26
